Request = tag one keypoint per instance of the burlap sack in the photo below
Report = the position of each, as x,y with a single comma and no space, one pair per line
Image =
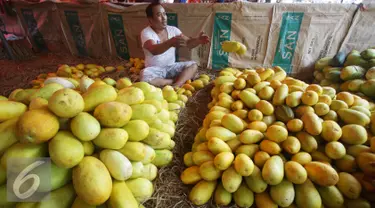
300,34
192,19
41,23
82,28
123,26
114,31
361,33
248,23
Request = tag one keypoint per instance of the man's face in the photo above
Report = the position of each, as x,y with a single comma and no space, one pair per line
159,18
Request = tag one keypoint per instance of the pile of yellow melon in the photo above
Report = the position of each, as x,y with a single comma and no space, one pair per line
74,73
106,139
274,141
136,65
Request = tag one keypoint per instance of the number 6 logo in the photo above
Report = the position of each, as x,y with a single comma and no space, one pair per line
23,177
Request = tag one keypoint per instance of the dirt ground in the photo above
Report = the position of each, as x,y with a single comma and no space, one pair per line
169,190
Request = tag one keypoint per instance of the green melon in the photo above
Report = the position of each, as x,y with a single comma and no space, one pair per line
284,113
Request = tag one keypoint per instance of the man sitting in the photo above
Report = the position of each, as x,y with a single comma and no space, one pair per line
159,43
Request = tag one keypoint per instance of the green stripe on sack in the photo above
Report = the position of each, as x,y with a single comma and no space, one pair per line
288,37
32,28
173,21
118,35
77,32
222,31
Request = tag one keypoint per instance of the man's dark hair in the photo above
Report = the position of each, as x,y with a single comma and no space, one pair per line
149,12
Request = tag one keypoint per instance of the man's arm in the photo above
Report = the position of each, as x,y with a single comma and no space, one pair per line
160,48
194,42
156,49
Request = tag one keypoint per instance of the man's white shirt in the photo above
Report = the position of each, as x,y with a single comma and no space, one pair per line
164,59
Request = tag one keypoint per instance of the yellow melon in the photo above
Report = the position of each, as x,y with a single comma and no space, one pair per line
113,114
92,181
37,126
66,103
65,150
11,109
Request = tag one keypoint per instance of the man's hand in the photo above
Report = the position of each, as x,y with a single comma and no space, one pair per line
203,38
183,41
179,41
